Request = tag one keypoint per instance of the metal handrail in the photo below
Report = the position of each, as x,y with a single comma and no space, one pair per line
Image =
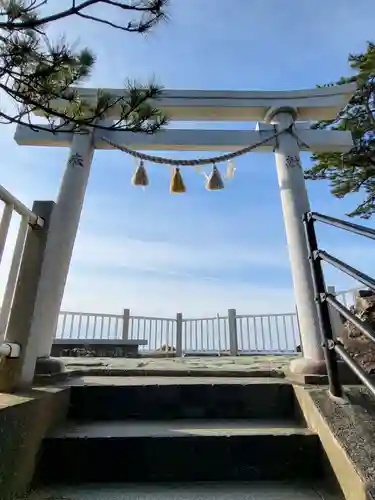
346,226
345,268
333,347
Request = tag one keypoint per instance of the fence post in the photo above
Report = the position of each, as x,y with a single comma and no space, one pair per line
17,372
125,324
337,325
232,323
299,330
179,335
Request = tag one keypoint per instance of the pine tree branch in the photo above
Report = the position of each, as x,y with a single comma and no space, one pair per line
153,8
128,28
41,76
356,170
92,121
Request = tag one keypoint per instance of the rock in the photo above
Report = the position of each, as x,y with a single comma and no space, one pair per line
166,348
365,293
354,341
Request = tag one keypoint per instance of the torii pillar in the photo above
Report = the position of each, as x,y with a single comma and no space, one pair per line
281,109
295,203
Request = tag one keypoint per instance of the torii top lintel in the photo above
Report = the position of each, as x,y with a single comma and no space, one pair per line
216,105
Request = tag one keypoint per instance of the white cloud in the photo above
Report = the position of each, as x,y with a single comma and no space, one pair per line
111,272
165,297
116,252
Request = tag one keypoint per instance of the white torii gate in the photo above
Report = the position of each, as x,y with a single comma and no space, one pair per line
274,110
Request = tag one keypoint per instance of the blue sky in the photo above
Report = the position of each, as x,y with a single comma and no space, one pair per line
199,253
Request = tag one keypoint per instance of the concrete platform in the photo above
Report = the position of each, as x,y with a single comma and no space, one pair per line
197,491
233,365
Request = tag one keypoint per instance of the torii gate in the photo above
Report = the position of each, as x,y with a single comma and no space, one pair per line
275,111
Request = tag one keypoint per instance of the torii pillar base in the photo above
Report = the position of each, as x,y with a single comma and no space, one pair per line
307,366
49,366
303,371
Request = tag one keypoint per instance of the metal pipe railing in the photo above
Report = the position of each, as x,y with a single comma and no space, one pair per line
323,299
346,226
345,268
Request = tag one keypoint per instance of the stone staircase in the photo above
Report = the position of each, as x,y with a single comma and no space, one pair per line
178,439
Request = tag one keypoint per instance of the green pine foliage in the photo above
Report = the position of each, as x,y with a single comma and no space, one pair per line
353,172
37,72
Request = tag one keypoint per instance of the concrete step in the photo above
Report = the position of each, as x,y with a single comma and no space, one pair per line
179,450
197,491
177,428
263,399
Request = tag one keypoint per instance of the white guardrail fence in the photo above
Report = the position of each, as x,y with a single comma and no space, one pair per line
12,206
277,333
244,334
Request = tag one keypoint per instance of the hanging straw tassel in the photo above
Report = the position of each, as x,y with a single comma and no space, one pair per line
140,177
214,180
231,169
200,171
177,183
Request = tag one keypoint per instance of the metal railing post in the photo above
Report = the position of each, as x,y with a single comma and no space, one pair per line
125,324
179,335
322,307
232,323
